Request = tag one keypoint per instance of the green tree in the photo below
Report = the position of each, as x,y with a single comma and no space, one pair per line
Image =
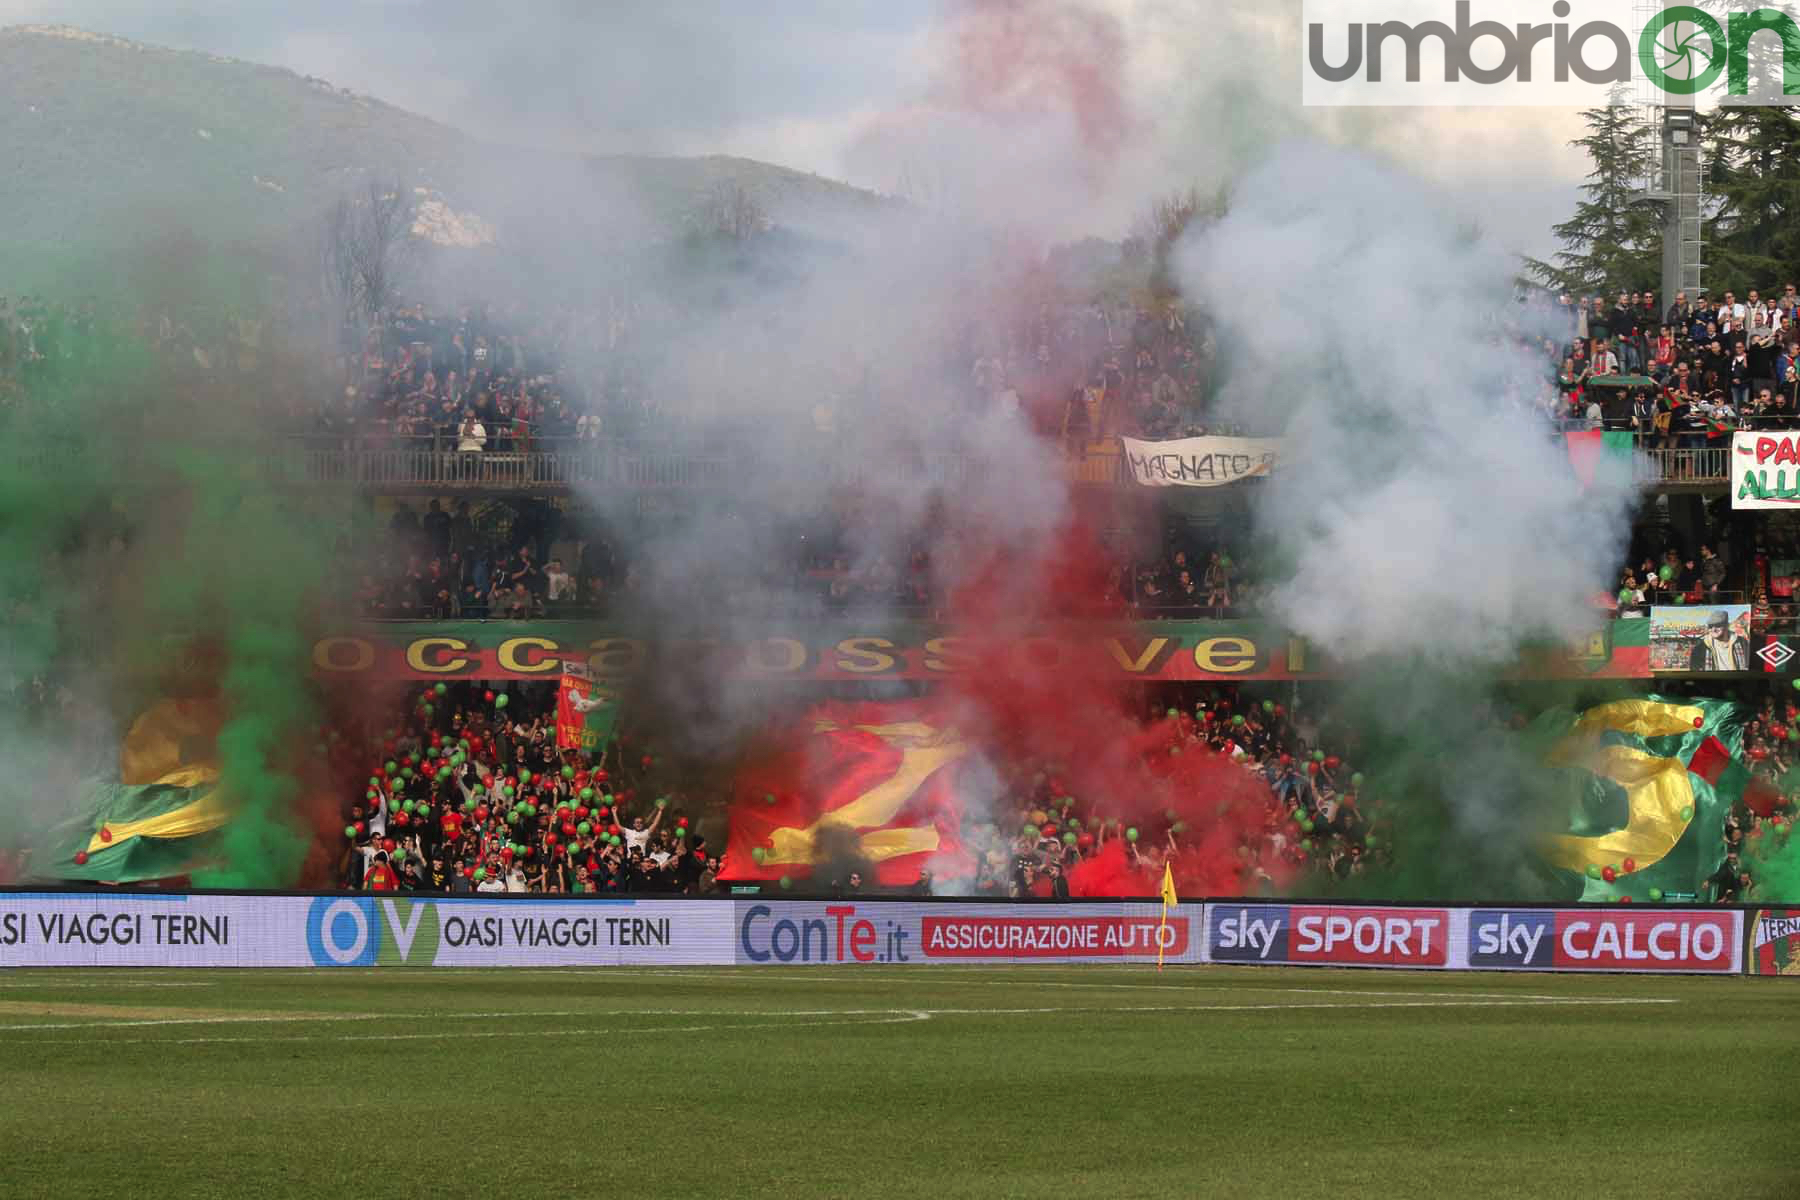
1613,241
1753,152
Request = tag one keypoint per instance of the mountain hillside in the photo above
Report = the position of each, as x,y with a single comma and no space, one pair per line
105,139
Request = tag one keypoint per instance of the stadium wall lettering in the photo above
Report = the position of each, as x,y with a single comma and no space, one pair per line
1150,651
150,929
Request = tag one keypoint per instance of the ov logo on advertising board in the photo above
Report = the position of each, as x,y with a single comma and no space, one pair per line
362,931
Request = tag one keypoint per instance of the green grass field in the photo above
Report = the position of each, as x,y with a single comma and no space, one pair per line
931,1081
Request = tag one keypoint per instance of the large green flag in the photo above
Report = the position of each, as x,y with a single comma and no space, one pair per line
1649,784
124,833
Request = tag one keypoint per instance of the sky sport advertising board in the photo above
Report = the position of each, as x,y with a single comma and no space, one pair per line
45,929
849,933
1650,940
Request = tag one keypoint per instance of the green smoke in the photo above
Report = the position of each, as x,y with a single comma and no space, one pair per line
148,551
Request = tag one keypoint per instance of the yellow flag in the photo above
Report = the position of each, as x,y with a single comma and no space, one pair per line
1168,891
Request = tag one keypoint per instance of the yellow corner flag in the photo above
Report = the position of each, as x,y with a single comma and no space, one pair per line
1168,897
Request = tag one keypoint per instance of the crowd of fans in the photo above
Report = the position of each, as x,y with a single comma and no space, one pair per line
1687,375
471,793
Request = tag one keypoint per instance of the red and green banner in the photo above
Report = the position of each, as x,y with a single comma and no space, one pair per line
1147,651
1774,937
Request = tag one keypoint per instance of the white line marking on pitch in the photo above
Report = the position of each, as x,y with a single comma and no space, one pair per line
906,1015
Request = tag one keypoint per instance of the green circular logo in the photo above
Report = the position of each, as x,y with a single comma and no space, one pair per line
1673,58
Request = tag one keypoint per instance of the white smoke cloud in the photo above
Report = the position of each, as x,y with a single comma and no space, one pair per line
1425,511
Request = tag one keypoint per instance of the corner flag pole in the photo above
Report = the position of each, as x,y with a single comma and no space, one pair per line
1168,898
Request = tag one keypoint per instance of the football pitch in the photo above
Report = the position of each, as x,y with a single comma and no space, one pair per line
932,1081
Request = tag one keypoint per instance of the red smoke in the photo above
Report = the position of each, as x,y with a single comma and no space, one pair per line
1036,57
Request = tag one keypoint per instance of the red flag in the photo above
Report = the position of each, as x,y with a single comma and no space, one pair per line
868,782
1710,760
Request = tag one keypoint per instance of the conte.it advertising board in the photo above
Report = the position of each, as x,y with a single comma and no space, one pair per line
850,933
1518,939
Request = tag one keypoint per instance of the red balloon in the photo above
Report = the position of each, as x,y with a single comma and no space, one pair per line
647,761
604,813
1698,722
390,745
406,760
400,818
581,812
437,739
468,872
1312,768
1049,831
1630,865
380,772
1608,874
387,844
80,858
568,829
1331,762
681,823
1084,841
359,827
105,834
1280,711
481,812
488,696
616,831
506,853
601,776
1624,899
1286,759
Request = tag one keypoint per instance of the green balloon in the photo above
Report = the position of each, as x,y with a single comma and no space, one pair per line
1665,572
429,710
1172,713
662,802
480,874
1687,812
1356,779
587,793
531,807
524,775
440,689
501,701
568,771
1178,827
1655,894
512,818
350,831
1068,839
443,774
1030,831
479,788
398,783
371,795
374,781
431,752
1237,718
406,772
757,854
680,832
1074,823
584,829
786,882
1268,706
407,807
1318,756
1306,845
469,805
390,766
768,798
508,791
1306,825
399,855
462,743
616,839
1593,872
1369,843
458,759
1131,834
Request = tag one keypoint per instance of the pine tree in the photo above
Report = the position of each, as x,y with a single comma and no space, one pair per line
1613,241
1754,152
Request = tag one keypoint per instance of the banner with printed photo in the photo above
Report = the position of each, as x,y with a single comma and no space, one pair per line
585,711
1701,637
1201,461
